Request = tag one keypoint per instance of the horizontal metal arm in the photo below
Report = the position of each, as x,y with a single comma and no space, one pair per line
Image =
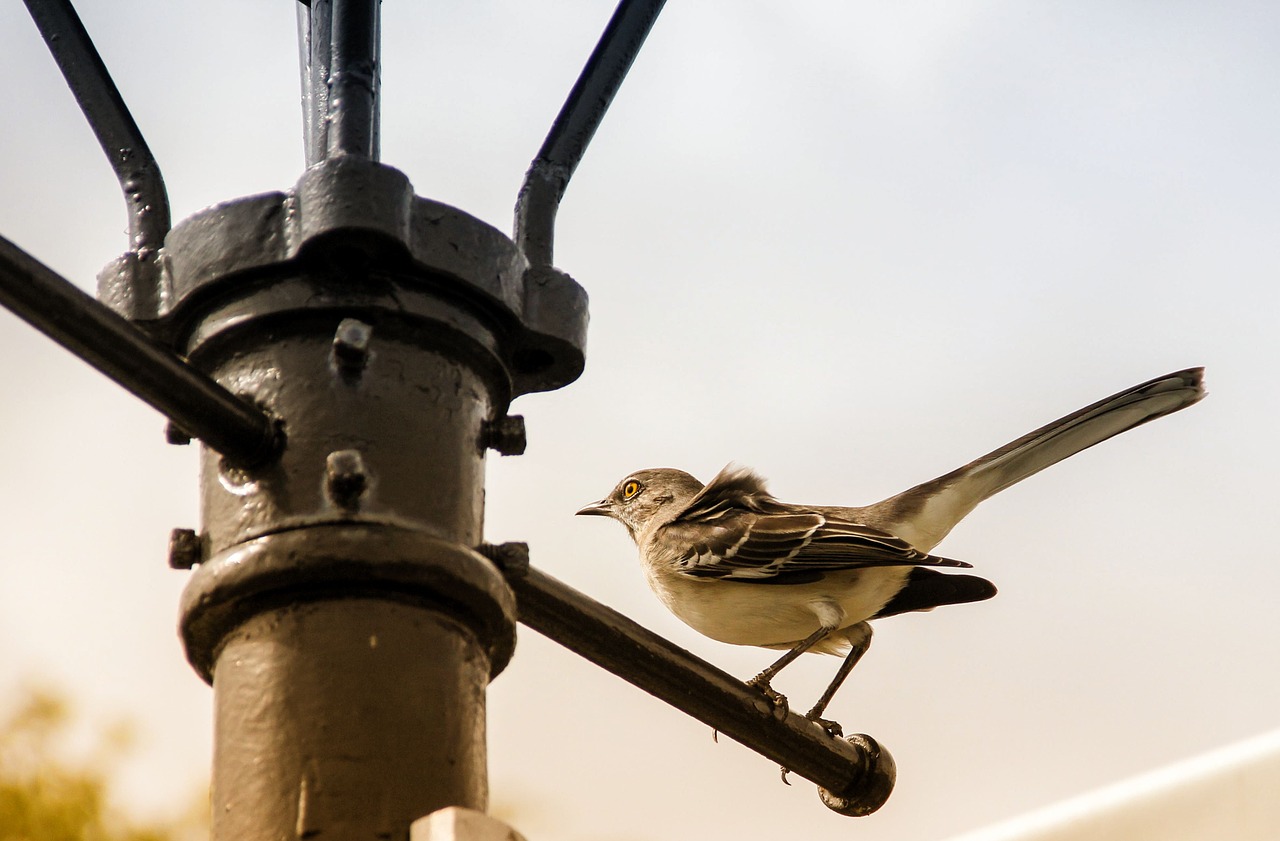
109,117
663,669
583,110
194,402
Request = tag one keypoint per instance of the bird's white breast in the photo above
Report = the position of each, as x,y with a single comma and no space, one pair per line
774,615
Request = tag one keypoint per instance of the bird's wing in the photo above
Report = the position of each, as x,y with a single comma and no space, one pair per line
734,530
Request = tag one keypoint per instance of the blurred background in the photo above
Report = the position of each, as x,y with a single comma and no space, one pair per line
852,245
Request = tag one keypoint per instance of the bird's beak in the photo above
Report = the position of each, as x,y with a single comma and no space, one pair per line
600,509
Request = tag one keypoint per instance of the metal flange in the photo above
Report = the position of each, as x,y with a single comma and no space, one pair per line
337,561
347,215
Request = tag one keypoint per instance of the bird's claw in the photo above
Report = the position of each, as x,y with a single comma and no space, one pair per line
775,698
832,728
785,771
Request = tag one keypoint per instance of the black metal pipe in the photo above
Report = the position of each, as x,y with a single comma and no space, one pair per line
313,28
353,79
109,117
663,669
338,40
549,174
108,342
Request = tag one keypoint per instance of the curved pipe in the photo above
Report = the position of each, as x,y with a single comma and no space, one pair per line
583,110
135,167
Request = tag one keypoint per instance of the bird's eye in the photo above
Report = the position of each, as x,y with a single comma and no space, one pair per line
630,489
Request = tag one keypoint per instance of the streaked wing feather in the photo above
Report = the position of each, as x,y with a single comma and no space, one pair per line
780,544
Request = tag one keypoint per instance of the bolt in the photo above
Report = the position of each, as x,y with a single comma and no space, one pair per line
351,345
505,434
186,548
345,478
175,434
511,558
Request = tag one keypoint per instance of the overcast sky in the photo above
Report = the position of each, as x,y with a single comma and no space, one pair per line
853,245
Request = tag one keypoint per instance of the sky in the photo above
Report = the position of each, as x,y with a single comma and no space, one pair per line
850,244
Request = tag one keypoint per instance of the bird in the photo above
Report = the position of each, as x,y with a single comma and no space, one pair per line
738,566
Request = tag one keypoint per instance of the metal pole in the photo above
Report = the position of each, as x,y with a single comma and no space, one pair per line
349,665
338,606
347,628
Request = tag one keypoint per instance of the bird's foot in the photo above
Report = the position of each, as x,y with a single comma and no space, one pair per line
785,771
779,701
833,728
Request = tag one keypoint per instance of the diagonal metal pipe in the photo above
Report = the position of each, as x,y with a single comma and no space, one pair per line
575,125
109,117
857,775
201,407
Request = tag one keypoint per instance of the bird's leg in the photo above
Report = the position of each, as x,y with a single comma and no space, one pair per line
761,681
857,649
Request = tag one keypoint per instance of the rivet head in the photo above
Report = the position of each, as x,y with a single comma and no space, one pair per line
186,548
345,478
506,435
351,345
511,558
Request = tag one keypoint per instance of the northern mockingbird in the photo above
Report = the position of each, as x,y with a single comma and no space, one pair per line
741,567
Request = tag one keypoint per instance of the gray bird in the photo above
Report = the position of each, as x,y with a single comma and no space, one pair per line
741,567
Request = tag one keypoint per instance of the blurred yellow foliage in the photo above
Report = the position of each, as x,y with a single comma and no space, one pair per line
47,793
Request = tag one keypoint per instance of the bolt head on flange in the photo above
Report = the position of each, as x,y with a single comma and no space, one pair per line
506,435
346,478
186,548
351,346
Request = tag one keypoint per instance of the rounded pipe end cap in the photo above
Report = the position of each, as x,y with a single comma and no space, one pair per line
869,791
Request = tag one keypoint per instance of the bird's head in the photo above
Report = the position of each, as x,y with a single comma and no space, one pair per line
647,498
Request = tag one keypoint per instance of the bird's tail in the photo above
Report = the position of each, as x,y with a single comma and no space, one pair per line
924,514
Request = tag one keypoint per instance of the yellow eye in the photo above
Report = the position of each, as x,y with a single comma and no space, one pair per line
630,489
